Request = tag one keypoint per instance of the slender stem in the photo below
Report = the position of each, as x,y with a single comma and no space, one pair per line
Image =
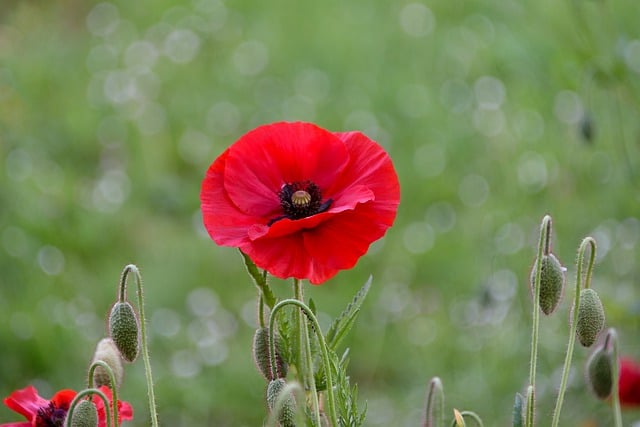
473,416
261,310
79,397
308,314
543,245
113,385
617,416
531,404
305,352
588,241
145,348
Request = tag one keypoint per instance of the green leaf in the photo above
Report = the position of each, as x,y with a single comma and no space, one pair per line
260,280
343,323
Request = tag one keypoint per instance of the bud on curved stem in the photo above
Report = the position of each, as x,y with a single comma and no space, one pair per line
124,330
80,398
543,248
587,242
106,352
262,357
143,334
112,385
323,350
84,415
590,320
599,371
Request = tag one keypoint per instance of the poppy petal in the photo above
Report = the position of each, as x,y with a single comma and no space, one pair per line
225,223
26,402
265,159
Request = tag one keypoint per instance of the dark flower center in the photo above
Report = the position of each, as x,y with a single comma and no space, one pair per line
51,416
300,200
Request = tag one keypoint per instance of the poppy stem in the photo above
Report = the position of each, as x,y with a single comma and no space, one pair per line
617,416
305,359
543,242
143,332
587,241
112,385
307,313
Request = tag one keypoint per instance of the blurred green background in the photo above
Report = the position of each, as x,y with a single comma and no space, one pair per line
494,112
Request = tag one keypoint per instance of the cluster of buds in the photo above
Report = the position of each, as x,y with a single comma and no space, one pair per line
122,344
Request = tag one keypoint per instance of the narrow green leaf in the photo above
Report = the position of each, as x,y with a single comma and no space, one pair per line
434,416
344,322
260,280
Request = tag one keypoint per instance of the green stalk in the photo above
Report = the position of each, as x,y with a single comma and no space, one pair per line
308,314
543,248
617,416
588,241
143,332
113,386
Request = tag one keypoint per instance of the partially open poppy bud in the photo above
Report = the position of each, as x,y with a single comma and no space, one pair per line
85,414
124,330
590,317
287,413
600,373
107,352
551,282
261,355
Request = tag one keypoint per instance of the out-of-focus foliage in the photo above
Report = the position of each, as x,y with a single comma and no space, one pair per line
495,113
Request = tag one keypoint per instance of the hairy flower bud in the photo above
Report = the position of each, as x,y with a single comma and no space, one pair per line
261,355
551,282
85,414
600,373
590,319
107,352
124,330
287,413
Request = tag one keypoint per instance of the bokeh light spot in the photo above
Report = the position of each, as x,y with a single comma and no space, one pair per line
417,20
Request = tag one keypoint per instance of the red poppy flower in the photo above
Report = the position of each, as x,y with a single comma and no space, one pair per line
41,412
629,385
300,201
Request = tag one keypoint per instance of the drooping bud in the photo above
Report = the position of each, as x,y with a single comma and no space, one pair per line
287,411
107,352
551,282
590,321
85,414
124,330
261,354
600,372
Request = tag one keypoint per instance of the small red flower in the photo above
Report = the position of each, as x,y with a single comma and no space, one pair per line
41,412
629,385
300,201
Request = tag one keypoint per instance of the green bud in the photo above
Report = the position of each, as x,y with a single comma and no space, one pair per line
124,330
85,414
590,320
287,412
600,373
551,283
107,352
261,355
